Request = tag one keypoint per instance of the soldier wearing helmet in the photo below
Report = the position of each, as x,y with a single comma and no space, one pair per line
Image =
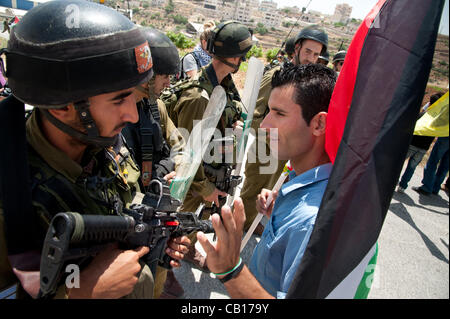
78,62
154,139
281,60
324,58
308,45
154,136
228,44
338,60
289,47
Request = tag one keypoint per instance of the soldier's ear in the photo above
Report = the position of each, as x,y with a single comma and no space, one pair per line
63,113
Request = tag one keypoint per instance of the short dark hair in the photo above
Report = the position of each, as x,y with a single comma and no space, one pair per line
313,85
435,97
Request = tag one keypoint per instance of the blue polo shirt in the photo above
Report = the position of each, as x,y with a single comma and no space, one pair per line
278,254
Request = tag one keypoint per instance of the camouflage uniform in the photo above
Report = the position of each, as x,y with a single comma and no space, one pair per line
190,107
154,139
51,65
61,185
254,180
169,141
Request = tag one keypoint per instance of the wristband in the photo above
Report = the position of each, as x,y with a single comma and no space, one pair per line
232,273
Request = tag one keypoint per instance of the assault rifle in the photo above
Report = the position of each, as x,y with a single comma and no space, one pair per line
74,238
221,174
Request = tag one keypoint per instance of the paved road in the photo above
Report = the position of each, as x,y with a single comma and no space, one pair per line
413,252
413,256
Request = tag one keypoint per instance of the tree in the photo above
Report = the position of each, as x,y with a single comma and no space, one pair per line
261,29
169,8
180,40
179,19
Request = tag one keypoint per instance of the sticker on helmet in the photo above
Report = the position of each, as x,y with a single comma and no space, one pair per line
143,57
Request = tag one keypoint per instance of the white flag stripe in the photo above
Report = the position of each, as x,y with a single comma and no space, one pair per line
347,288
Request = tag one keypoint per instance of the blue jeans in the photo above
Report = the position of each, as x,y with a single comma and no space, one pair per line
415,156
432,178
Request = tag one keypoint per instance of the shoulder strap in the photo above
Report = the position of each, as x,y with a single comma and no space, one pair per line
14,176
152,140
155,112
212,76
51,191
197,60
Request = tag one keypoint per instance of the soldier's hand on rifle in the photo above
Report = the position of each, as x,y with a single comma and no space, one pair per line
112,274
177,248
261,202
224,254
214,196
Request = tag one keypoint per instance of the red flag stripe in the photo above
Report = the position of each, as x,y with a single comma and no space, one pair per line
343,92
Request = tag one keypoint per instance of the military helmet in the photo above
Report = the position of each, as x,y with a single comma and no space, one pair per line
289,46
315,33
230,39
340,56
66,51
166,59
325,56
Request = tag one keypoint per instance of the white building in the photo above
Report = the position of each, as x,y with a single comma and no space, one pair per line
342,13
272,19
244,11
268,6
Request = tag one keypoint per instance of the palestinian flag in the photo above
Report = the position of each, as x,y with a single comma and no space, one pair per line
371,119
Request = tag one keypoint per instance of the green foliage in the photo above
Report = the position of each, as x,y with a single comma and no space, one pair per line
255,51
339,24
271,54
180,40
169,8
179,19
243,67
156,15
261,29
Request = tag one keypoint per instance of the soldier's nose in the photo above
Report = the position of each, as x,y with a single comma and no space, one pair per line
130,113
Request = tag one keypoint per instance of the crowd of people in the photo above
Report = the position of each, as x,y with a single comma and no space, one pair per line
107,121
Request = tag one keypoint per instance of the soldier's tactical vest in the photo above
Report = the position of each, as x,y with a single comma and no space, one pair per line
218,173
103,188
205,82
146,141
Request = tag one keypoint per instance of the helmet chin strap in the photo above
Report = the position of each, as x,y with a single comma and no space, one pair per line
142,90
150,90
231,65
92,137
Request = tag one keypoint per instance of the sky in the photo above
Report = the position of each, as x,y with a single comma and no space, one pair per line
360,8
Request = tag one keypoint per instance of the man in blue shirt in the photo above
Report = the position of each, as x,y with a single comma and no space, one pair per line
298,106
